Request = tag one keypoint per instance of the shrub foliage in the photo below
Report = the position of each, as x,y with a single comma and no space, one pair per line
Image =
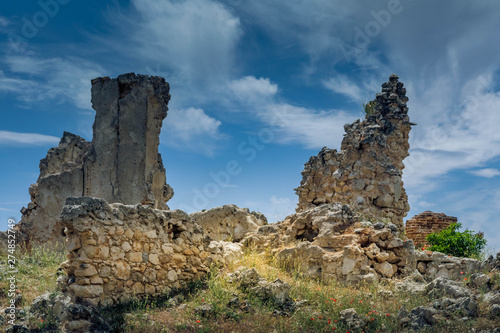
460,244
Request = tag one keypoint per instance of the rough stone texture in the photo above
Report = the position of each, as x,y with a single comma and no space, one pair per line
423,224
229,222
366,173
68,316
435,264
326,242
118,252
120,165
443,287
61,176
124,165
352,319
250,280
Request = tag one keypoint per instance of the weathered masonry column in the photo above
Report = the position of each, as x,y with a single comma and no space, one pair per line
366,173
124,165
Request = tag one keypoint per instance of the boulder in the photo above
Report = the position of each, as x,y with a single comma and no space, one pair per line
352,319
229,222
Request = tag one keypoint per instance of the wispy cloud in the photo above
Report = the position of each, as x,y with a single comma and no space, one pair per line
20,139
280,201
195,39
308,127
251,89
486,173
343,85
33,78
290,124
4,22
192,129
465,135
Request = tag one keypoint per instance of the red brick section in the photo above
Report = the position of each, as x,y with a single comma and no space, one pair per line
419,226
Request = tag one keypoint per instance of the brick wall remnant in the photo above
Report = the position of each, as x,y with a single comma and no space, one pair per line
120,165
366,173
423,224
119,252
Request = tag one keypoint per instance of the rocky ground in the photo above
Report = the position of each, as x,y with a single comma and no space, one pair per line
256,294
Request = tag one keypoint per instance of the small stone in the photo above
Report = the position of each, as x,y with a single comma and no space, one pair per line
204,310
86,270
96,280
385,268
73,244
167,249
122,270
88,291
172,275
153,258
494,311
129,234
135,256
126,246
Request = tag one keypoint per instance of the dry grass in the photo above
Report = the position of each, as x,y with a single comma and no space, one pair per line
37,273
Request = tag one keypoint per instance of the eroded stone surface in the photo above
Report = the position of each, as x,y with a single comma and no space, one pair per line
120,165
124,165
366,173
229,222
61,176
130,251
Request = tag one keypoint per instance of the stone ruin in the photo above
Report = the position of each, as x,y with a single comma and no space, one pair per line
107,200
108,197
366,173
118,252
419,226
120,165
348,225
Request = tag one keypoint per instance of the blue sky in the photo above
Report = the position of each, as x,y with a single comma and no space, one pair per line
260,86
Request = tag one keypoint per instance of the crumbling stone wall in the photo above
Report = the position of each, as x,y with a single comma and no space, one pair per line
328,242
435,264
120,165
61,176
118,252
423,224
366,173
228,222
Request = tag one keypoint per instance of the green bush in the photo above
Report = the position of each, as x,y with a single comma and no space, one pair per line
460,244
369,108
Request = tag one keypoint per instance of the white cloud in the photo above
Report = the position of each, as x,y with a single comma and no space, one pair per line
252,89
308,127
290,124
343,85
278,208
486,173
454,134
476,208
196,39
34,79
32,139
192,129
280,201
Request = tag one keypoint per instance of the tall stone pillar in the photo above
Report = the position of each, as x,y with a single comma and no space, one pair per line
124,165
